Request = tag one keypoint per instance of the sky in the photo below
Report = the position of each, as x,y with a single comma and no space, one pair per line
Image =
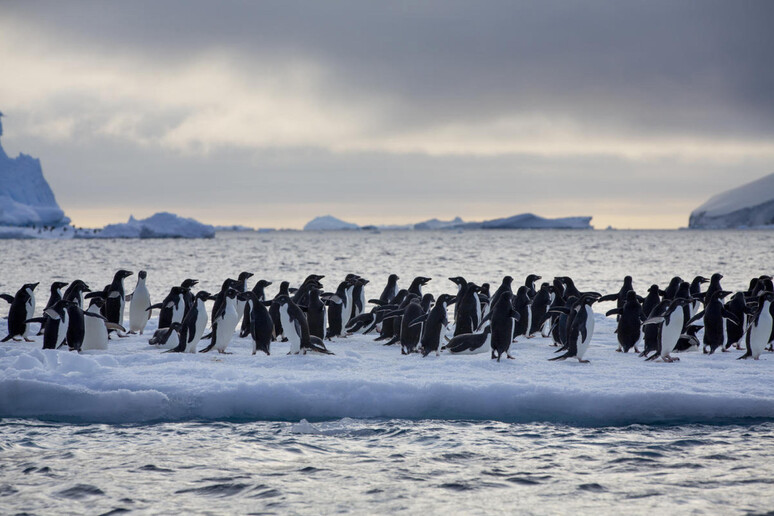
270,113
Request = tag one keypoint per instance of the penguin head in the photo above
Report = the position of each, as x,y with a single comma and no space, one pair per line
393,278
716,277
631,296
457,280
30,286
123,273
700,279
142,274
507,280
282,299
232,293
189,283
532,278
446,299
245,275
58,285
203,295
263,283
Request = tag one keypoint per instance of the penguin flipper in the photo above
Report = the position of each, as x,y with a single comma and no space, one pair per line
35,319
609,297
560,357
614,311
7,338
7,298
114,326
316,344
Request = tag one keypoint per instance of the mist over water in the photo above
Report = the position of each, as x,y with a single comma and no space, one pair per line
393,465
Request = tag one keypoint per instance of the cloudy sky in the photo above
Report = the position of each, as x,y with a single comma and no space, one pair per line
269,113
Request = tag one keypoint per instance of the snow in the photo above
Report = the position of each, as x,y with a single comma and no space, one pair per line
132,382
750,205
160,225
328,223
26,199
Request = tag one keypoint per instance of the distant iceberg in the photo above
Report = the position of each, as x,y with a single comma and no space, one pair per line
328,223
531,221
748,206
439,224
26,199
160,225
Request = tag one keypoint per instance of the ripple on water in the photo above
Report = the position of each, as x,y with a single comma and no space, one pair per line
81,491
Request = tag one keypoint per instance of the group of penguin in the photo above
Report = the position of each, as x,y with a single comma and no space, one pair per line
664,321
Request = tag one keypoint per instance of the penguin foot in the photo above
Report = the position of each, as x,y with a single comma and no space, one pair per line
581,361
510,357
619,349
28,339
530,336
725,350
132,332
636,350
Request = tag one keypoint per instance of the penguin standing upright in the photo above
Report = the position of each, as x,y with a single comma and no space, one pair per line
297,330
56,295
337,312
191,329
735,332
315,314
629,323
761,327
115,300
75,292
224,322
433,325
670,324
260,294
581,330
22,309
501,317
539,307
139,303
390,290
261,325
241,286
714,315
522,304
467,310
95,326
55,330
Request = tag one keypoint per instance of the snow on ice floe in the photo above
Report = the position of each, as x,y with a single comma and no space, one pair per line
134,383
747,206
26,199
160,225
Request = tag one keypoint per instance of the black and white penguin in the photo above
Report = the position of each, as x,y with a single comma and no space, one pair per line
735,332
301,294
358,297
696,293
540,304
55,329
241,286
261,325
671,290
315,314
529,282
167,338
224,323
688,341
714,315
433,325
390,290
95,327
620,297
760,328
714,286
22,309
461,284
670,324
502,317
650,332
417,284
284,290
410,335
629,323
172,309
140,301
581,330
471,343
260,294
75,292
522,304
505,286
297,330
391,326
115,300
188,295
192,327
337,312
56,295
467,310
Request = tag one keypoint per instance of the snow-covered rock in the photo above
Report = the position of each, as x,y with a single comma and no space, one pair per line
26,199
531,221
328,223
748,206
439,224
160,225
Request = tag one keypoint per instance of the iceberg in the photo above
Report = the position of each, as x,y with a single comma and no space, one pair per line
26,199
531,221
132,382
160,225
439,224
328,223
747,206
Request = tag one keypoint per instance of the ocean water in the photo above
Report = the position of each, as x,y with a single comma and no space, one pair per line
235,462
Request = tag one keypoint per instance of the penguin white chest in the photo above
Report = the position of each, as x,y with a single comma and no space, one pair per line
289,329
95,335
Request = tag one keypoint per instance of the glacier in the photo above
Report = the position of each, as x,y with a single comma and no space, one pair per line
132,382
748,206
26,199
159,225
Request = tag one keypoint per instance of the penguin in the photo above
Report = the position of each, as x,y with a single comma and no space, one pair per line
337,312
522,304
760,327
358,297
261,325
390,290
650,332
22,309
75,292
167,338
629,323
620,298
191,329
671,290
397,315
570,290
416,285
471,343
713,315
55,330
241,286
389,326
95,326
274,310
224,323
315,314
468,310
172,308
529,282
115,301
539,307
501,319
411,335
188,296
688,341
735,332
581,331
433,324
139,303
670,324
260,294
461,284
220,297
696,293
302,293
505,286
297,329
56,295
76,327
714,286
